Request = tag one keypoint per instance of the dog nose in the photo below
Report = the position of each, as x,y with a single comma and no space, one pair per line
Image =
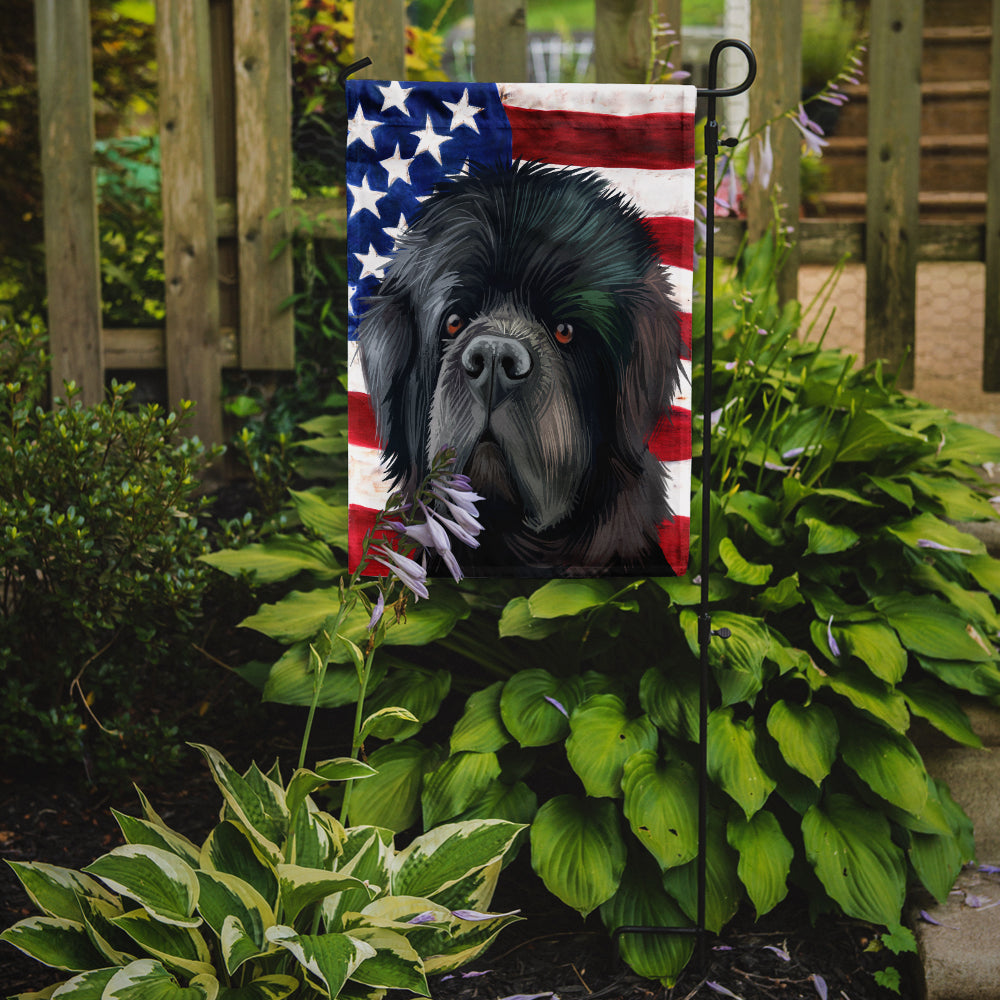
495,367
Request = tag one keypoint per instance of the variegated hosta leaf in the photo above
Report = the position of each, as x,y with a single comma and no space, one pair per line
441,857
602,737
300,887
661,799
98,915
56,891
230,849
475,891
807,736
850,847
765,858
642,902
578,851
395,964
329,959
141,831
274,987
225,897
86,986
456,784
535,706
304,782
315,838
54,941
465,942
177,947
256,801
732,760
147,979
481,727
366,855
158,880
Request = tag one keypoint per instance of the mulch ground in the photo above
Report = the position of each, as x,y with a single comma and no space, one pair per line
550,953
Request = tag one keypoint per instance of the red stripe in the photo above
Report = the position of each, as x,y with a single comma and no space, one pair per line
585,139
674,541
361,428
674,239
671,438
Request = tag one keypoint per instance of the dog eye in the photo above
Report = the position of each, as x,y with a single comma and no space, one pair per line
564,333
454,323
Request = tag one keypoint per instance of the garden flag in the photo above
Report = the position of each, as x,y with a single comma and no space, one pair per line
519,281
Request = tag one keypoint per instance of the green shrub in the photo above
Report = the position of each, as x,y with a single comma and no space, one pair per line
99,542
279,900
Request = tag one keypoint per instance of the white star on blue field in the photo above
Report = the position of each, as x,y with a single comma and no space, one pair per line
402,139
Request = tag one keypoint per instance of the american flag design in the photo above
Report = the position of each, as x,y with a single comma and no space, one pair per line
404,138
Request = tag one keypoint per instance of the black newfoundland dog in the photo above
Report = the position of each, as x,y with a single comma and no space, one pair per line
526,322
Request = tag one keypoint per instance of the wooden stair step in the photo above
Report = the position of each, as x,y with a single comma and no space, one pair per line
966,205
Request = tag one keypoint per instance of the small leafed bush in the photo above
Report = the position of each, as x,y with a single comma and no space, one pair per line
280,899
99,574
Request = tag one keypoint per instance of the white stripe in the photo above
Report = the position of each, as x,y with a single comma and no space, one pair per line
655,192
682,284
677,486
601,98
365,484
682,400
355,376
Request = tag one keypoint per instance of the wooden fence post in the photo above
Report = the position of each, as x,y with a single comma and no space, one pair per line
622,40
991,331
501,41
892,215
380,34
72,255
776,34
190,251
262,61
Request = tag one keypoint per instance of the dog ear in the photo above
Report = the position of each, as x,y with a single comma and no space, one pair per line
652,375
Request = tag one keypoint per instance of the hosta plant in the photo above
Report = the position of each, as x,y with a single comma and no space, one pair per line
279,900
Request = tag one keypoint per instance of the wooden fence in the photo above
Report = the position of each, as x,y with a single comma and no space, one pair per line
226,160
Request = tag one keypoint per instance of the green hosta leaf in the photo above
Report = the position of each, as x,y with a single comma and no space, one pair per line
965,443
327,520
888,763
876,646
559,598
661,799
738,661
928,528
301,887
147,979
331,959
456,784
937,859
279,558
481,728
807,736
671,700
741,571
765,858
292,681
941,709
578,851
828,539
865,692
516,803
297,616
180,948
602,738
758,511
958,502
723,889
260,809
225,897
931,628
641,901
438,859
159,881
976,678
870,436
141,831
395,964
893,488
530,706
684,593
986,571
418,691
54,941
783,595
230,849
976,605
850,847
391,798
732,760
56,891
517,620
275,987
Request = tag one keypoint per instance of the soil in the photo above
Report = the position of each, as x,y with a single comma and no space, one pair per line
550,953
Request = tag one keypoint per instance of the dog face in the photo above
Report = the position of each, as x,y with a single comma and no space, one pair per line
525,321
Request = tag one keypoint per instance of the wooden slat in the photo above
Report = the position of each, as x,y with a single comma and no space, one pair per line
380,34
190,254
621,40
262,62
72,257
893,184
144,348
776,36
501,41
991,332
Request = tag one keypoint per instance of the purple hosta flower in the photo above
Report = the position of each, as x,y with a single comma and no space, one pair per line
410,572
475,915
990,869
727,198
811,132
377,611
719,988
780,952
834,648
927,543
558,705
427,917
820,984
761,163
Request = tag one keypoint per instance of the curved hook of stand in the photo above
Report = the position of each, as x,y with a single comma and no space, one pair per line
712,90
352,68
